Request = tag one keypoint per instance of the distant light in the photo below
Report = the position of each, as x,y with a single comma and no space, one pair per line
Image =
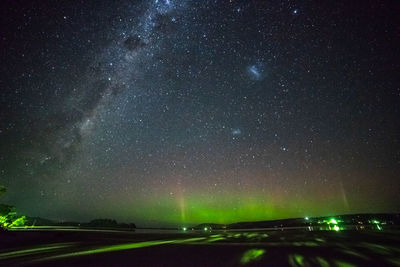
184,228
377,224
306,218
205,228
333,221
336,228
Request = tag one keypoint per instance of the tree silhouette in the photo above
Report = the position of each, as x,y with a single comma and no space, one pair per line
3,189
4,209
8,215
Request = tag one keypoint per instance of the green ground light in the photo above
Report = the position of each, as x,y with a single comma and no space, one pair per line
126,246
252,255
296,260
37,250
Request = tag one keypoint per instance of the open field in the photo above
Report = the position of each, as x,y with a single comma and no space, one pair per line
75,247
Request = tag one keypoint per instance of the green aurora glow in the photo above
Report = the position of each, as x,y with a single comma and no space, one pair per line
223,208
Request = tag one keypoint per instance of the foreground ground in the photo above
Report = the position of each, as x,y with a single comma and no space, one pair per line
250,248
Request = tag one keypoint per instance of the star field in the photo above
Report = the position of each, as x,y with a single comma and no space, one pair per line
175,112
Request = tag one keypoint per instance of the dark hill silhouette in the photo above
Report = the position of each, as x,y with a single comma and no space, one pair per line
347,219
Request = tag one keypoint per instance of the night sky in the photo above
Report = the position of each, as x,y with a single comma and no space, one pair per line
166,113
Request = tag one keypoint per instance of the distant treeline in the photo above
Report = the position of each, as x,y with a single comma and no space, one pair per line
97,223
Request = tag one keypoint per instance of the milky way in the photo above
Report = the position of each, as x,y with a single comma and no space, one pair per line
181,112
